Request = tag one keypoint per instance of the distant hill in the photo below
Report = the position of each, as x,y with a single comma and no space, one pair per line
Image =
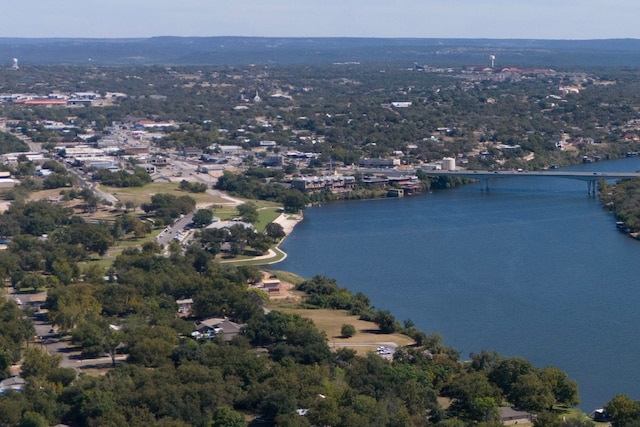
257,50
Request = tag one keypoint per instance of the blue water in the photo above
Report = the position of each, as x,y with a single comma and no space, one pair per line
532,268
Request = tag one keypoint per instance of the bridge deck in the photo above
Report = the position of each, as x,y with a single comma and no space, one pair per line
583,176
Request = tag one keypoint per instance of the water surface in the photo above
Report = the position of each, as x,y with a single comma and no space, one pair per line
532,268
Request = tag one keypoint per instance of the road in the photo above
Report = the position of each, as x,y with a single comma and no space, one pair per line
34,147
170,232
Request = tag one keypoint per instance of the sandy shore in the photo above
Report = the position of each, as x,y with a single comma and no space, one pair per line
288,222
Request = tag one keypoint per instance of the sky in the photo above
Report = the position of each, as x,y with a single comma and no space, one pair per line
500,19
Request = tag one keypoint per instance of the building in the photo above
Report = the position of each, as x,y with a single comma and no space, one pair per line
12,384
231,150
12,158
510,416
448,164
321,183
184,306
35,301
216,327
148,167
271,285
273,161
79,102
157,160
138,150
401,104
191,152
43,102
7,183
81,152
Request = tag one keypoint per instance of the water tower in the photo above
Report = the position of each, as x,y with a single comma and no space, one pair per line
493,60
15,64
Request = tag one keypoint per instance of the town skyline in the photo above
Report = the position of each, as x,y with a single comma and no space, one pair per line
497,19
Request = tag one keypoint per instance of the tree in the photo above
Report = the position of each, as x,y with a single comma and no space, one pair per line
386,322
31,280
248,212
564,390
507,371
531,394
130,205
202,217
347,330
33,419
274,231
39,363
475,397
622,410
294,201
96,337
70,305
227,417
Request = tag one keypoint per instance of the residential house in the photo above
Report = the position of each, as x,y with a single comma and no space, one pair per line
271,285
184,306
216,327
510,416
12,384
36,301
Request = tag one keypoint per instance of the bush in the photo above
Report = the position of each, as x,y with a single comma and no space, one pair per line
347,330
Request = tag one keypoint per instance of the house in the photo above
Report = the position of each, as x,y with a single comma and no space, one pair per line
12,384
184,306
271,285
600,415
36,301
148,167
214,327
192,152
510,416
401,104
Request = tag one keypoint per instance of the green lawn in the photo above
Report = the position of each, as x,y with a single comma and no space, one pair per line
143,194
265,216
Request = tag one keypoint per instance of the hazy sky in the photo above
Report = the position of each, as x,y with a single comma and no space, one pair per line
523,19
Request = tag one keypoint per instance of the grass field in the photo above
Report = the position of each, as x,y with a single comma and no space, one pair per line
266,215
141,195
367,337
365,340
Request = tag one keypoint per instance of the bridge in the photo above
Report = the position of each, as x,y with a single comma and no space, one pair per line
591,178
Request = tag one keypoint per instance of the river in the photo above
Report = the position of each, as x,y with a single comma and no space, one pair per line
532,268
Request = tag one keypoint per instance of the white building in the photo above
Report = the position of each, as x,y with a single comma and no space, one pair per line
448,164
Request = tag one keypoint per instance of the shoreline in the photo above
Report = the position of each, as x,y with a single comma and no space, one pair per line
288,223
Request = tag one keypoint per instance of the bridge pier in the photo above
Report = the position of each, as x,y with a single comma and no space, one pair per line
592,187
484,184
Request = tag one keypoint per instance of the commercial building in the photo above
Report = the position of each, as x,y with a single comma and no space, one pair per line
320,183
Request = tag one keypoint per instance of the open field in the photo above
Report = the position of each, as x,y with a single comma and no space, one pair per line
266,215
365,340
141,195
367,337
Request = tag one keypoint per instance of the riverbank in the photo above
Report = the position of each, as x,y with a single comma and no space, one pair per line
536,254
274,255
